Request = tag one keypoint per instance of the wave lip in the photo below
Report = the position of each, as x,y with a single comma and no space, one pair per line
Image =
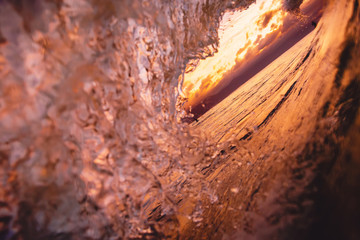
91,146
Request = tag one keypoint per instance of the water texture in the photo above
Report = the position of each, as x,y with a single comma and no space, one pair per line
91,142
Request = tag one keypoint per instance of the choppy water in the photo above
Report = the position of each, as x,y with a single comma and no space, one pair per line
91,143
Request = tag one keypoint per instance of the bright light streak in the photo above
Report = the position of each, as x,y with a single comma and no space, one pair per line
239,32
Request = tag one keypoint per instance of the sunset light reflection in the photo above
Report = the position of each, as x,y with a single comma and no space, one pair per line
240,35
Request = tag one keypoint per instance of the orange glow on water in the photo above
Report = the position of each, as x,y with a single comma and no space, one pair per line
240,35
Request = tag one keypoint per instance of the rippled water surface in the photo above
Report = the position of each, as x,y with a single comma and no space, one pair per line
92,145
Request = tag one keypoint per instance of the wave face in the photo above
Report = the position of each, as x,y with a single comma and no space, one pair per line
91,143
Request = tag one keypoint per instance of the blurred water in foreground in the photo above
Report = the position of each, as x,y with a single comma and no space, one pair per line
92,146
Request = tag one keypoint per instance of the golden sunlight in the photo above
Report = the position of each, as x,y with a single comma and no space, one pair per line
240,33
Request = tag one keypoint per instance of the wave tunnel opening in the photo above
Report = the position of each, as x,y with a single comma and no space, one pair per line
179,120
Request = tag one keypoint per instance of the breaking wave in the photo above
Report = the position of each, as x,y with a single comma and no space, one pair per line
92,145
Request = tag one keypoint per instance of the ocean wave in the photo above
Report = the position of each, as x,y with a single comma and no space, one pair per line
91,142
